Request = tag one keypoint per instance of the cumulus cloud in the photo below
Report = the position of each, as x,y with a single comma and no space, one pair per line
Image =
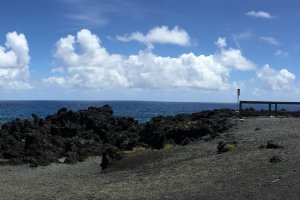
159,35
260,14
93,67
14,61
276,80
221,42
270,40
233,59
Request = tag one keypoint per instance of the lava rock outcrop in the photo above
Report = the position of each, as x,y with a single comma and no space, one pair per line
73,136
66,134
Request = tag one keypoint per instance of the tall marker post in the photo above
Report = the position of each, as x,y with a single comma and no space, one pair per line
238,98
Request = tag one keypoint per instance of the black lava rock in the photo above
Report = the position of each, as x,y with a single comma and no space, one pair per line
273,145
275,159
96,131
74,135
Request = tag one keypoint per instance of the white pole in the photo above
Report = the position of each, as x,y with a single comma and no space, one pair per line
238,98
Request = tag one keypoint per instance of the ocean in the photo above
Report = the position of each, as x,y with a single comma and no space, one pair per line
140,110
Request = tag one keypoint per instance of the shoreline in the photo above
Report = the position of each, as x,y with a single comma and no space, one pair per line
96,131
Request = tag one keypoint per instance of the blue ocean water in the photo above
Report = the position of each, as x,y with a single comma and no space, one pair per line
140,110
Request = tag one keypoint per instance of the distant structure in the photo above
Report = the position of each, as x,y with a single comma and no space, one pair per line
238,98
268,102
240,103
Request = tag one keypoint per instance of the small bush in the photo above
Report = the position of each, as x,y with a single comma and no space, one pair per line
229,147
168,146
226,146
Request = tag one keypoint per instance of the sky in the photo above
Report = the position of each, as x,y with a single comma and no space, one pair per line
154,50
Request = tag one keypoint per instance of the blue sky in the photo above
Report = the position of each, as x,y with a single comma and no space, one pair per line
163,50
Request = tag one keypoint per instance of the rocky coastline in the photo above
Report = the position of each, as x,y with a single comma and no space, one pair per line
255,158
70,137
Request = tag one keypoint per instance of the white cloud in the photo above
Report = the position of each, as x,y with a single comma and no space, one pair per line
260,14
281,53
276,80
57,70
55,80
233,59
14,61
159,35
270,40
94,67
221,42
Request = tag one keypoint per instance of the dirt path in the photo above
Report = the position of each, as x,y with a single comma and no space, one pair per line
194,171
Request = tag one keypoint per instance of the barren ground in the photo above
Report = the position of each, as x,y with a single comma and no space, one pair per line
194,171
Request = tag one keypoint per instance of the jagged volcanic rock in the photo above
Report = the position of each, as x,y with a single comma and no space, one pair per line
74,136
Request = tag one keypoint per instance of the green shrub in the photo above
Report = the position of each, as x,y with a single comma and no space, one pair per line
229,147
226,146
168,146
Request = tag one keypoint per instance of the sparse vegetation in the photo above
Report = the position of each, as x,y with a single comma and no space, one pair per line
226,146
229,147
134,150
168,146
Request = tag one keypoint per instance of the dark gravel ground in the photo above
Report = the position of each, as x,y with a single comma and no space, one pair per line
194,171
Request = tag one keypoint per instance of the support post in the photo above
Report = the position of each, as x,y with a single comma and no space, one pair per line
276,107
238,98
241,106
270,107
